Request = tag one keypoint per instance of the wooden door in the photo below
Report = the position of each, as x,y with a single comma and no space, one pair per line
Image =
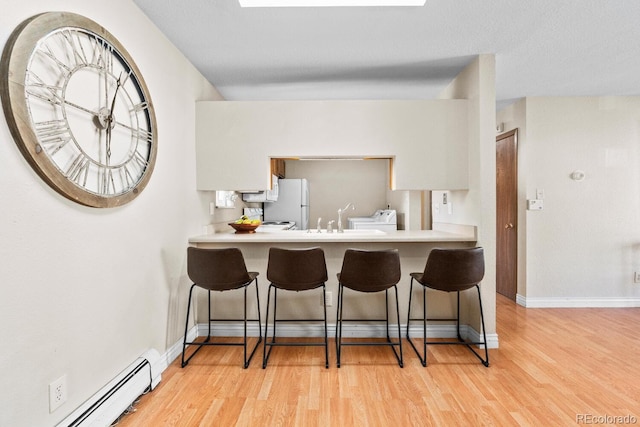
507,214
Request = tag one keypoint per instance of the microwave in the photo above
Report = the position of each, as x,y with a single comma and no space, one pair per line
262,196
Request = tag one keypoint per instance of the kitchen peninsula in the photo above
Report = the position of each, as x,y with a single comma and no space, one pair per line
452,233
430,145
413,245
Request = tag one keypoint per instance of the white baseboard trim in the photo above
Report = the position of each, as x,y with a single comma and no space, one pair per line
175,350
359,330
311,330
577,302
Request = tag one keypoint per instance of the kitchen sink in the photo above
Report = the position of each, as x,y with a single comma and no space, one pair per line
335,233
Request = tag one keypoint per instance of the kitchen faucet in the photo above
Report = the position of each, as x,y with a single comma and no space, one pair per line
340,211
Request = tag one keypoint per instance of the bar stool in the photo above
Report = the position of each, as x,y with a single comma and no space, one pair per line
220,270
450,270
295,270
369,271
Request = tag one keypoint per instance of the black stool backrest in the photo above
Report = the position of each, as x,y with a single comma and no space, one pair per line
370,271
453,270
217,269
296,269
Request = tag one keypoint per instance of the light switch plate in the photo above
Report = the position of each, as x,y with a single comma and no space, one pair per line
534,205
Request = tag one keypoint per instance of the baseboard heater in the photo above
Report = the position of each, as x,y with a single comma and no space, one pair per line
104,407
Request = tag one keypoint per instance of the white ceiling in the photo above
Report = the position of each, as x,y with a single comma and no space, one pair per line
542,47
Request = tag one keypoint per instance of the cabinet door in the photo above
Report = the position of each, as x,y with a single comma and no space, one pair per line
277,167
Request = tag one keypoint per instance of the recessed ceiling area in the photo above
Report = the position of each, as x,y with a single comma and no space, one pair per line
328,3
542,48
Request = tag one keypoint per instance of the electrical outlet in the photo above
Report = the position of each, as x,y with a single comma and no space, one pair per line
57,393
328,298
636,277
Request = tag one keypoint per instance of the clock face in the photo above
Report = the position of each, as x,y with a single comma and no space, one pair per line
79,109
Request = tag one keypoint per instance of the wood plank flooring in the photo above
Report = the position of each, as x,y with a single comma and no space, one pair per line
554,367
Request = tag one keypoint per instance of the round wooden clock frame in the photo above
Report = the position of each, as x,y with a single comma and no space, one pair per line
78,108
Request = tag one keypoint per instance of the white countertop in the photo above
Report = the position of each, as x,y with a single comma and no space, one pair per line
452,234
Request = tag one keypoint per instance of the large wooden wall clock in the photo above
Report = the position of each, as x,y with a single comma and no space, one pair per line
78,109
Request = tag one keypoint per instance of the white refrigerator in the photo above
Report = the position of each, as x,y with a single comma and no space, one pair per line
292,203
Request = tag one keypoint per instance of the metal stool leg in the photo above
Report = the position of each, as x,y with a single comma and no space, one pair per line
339,324
485,362
326,333
198,344
186,329
423,357
265,354
399,343
247,361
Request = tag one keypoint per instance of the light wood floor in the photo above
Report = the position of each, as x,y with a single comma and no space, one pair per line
552,366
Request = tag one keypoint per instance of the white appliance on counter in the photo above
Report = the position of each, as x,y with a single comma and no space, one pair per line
382,219
292,204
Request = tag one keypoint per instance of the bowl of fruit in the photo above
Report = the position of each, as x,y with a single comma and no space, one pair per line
245,225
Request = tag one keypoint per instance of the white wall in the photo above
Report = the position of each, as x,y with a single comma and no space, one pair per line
477,206
334,183
427,139
85,291
583,248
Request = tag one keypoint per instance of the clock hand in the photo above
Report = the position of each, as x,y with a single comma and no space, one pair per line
110,117
113,101
55,100
108,139
81,108
106,88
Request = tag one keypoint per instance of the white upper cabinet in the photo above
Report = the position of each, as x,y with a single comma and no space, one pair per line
427,140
